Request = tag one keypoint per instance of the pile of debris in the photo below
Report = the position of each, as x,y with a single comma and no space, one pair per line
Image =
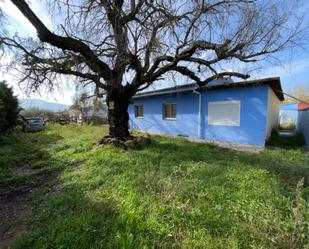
127,143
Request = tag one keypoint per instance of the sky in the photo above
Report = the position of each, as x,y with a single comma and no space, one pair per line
293,69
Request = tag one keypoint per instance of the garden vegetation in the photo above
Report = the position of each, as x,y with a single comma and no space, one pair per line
170,194
8,109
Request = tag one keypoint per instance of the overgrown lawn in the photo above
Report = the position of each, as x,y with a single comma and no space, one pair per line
171,194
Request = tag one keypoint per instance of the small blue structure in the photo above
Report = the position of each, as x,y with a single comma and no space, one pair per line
235,112
288,116
303,126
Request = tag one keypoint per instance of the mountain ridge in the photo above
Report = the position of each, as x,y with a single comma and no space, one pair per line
42,104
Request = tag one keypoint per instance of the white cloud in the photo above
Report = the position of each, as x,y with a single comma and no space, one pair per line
63,94
286,70
289,72
18,23
13,12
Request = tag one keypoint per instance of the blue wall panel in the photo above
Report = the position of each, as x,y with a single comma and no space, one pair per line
186,114
252,129
304,125
253,112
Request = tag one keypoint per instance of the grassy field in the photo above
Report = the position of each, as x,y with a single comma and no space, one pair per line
171,194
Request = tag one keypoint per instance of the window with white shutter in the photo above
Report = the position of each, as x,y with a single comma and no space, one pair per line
224,113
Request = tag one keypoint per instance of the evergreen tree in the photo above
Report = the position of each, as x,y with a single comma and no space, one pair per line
9,109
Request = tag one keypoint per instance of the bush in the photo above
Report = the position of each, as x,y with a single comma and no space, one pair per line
295,141
288,126
9,109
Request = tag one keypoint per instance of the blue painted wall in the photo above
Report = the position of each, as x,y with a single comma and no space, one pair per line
186,109
253,112
252,129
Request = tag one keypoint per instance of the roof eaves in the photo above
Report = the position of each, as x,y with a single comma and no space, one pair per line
304,109
273,82
166,91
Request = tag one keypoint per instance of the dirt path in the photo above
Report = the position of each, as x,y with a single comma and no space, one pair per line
16,204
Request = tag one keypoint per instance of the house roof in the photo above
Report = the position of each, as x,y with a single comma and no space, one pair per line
303,106
274,83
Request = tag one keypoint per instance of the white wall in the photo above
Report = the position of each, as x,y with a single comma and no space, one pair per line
272,112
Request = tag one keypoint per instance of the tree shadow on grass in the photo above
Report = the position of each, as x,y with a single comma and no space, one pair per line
135,198
23,150
289,141
18,179
70,218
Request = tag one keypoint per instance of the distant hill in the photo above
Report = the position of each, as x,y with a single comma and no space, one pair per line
42,104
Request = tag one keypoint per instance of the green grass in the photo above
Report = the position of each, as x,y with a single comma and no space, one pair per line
171,194
286,142
288,125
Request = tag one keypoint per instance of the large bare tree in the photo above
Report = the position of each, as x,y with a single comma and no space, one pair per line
123,47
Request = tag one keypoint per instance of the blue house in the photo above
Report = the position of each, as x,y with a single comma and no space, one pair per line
234,112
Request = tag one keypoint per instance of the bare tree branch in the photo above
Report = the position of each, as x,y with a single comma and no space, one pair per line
125,46
67,43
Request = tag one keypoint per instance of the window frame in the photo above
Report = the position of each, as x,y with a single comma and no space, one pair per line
164,113
212,103
136,111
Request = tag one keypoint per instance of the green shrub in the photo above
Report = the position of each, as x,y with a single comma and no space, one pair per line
295,141
288,125
8,109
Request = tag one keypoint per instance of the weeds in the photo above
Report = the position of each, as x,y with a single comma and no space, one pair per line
170,194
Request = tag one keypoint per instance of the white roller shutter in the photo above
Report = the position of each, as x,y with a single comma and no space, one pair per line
224,113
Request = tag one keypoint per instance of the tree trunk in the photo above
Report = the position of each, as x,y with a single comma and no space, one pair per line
118,117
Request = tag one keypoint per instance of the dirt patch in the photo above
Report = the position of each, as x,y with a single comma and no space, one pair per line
25,170
16,204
